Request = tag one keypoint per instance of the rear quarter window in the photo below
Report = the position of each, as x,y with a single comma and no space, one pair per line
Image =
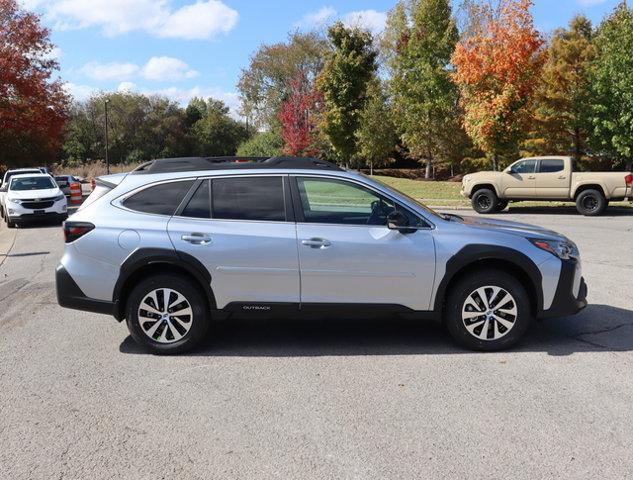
161,199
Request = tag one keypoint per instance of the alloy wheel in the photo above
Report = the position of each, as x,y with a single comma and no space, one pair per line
165,315
489,313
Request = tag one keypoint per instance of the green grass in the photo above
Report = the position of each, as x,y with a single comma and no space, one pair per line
431,193
446,194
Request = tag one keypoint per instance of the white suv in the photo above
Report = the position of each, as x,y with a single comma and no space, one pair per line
179,242
29,197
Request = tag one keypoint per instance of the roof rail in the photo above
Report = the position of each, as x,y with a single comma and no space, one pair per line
185,164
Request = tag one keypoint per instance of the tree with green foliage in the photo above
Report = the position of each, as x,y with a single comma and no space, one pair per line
262,144
265,84
376,135
140,128
420,38
562,117
216,133
349,66
612,87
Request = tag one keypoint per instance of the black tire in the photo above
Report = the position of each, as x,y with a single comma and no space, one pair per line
501,205
10,223
199,320
591,202
485,201
456,304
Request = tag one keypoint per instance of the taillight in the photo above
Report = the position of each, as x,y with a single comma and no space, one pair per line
75,230
628,179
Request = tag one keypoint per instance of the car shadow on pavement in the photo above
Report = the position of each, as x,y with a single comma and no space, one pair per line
564,210
597,328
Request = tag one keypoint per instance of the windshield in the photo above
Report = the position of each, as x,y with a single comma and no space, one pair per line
8,175
32,183
417,202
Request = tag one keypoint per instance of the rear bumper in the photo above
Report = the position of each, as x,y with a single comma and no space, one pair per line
571,292
69,295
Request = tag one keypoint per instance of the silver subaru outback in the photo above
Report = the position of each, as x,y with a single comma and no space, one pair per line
177,243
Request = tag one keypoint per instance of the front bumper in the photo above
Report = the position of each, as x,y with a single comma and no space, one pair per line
69,295
571,292
18,213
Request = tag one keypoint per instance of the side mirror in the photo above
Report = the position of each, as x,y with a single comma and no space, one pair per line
398,221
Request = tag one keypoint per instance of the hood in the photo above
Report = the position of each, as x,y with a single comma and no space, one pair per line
485,174
30,194
515,228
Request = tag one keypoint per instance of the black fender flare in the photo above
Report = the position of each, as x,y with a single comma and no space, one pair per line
145,257
471,255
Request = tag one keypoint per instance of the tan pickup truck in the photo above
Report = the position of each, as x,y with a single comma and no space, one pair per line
546,178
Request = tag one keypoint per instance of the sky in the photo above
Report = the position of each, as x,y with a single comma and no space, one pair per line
186,48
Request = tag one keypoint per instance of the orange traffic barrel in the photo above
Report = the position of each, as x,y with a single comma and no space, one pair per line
75,193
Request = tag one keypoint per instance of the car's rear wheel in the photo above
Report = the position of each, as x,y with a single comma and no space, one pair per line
591,202
488,310
167,314
485,201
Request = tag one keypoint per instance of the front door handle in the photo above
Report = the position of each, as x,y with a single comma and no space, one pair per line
197,239
316,243
562,177
531,177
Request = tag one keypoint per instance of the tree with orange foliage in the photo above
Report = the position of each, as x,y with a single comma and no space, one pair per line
32,103
498,66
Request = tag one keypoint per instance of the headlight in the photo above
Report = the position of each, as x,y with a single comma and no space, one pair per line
15,201
561,248
59,197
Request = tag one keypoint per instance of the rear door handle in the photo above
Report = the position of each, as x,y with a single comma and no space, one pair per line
316,243
532,177
197,239
562,177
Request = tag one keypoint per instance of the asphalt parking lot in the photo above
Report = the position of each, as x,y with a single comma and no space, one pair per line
327,399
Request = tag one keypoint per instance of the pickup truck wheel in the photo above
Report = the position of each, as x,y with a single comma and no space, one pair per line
485,201
167,314
488,310
591,202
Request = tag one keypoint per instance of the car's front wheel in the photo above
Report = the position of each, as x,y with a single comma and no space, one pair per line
167,314
485,201
488,310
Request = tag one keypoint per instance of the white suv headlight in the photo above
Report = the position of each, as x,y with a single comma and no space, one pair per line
59,197
15,201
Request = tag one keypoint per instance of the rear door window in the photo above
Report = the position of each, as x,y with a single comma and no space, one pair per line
248,198
551,166
161,199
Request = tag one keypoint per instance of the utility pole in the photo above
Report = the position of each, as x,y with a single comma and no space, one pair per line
106,136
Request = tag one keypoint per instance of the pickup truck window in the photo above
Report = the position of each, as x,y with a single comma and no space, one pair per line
551,166
526,166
